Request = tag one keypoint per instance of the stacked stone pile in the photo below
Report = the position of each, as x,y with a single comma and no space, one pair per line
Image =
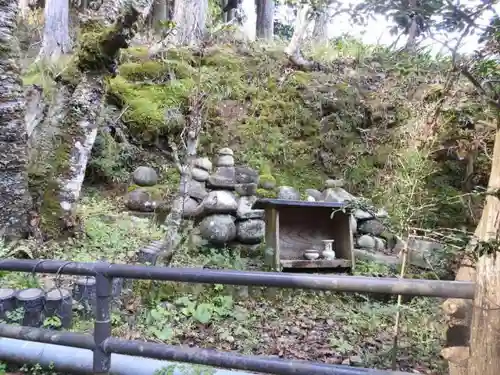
227,209
218,199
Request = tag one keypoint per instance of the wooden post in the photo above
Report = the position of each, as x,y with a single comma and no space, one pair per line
485,328
276,240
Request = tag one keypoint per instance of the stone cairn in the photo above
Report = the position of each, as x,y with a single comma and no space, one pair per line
219,201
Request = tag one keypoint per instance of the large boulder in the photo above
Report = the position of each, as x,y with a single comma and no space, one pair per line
251,231
222,178
145,176
245,210
246,175
199,174
246,190
220,201
373,227
203,163
191,208
218,229
140,200
225,158
195,189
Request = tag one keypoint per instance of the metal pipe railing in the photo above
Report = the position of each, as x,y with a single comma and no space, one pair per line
103,345
348,284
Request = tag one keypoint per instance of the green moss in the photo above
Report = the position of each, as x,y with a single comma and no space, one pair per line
155,70
147,103
134,54
157,192
267,178
263,193
90,51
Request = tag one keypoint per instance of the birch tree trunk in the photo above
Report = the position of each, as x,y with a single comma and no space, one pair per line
159,14
190,21
320,31
14,198
63,142
249,25
265,19
299,33
56,39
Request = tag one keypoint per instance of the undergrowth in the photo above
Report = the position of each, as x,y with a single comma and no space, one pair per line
325,326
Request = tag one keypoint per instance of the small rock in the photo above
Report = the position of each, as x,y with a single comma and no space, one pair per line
365,215
337,195
245,210
251,231
355,360
362,214
373,227
199,174
222,178
354,224
246,189
203,163
288,192
191,208
366,242
140,200
346,362
226,151
195,189
145,176
220,201
246,175
310,199
225,161
421,251
331,184
316,194
218,229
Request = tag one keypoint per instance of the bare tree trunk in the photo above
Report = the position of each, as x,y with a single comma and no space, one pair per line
14,198
265,19
249,26
159,14
320,31
56,39
190,20
299,32
412,32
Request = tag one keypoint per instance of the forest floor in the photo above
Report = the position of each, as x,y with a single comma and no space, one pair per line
294,324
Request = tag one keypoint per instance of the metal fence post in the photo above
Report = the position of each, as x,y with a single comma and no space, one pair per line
102,324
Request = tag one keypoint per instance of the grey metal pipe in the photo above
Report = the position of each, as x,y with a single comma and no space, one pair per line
79,361
234,361
350,284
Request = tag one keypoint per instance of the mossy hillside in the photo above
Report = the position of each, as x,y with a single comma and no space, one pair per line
356,121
